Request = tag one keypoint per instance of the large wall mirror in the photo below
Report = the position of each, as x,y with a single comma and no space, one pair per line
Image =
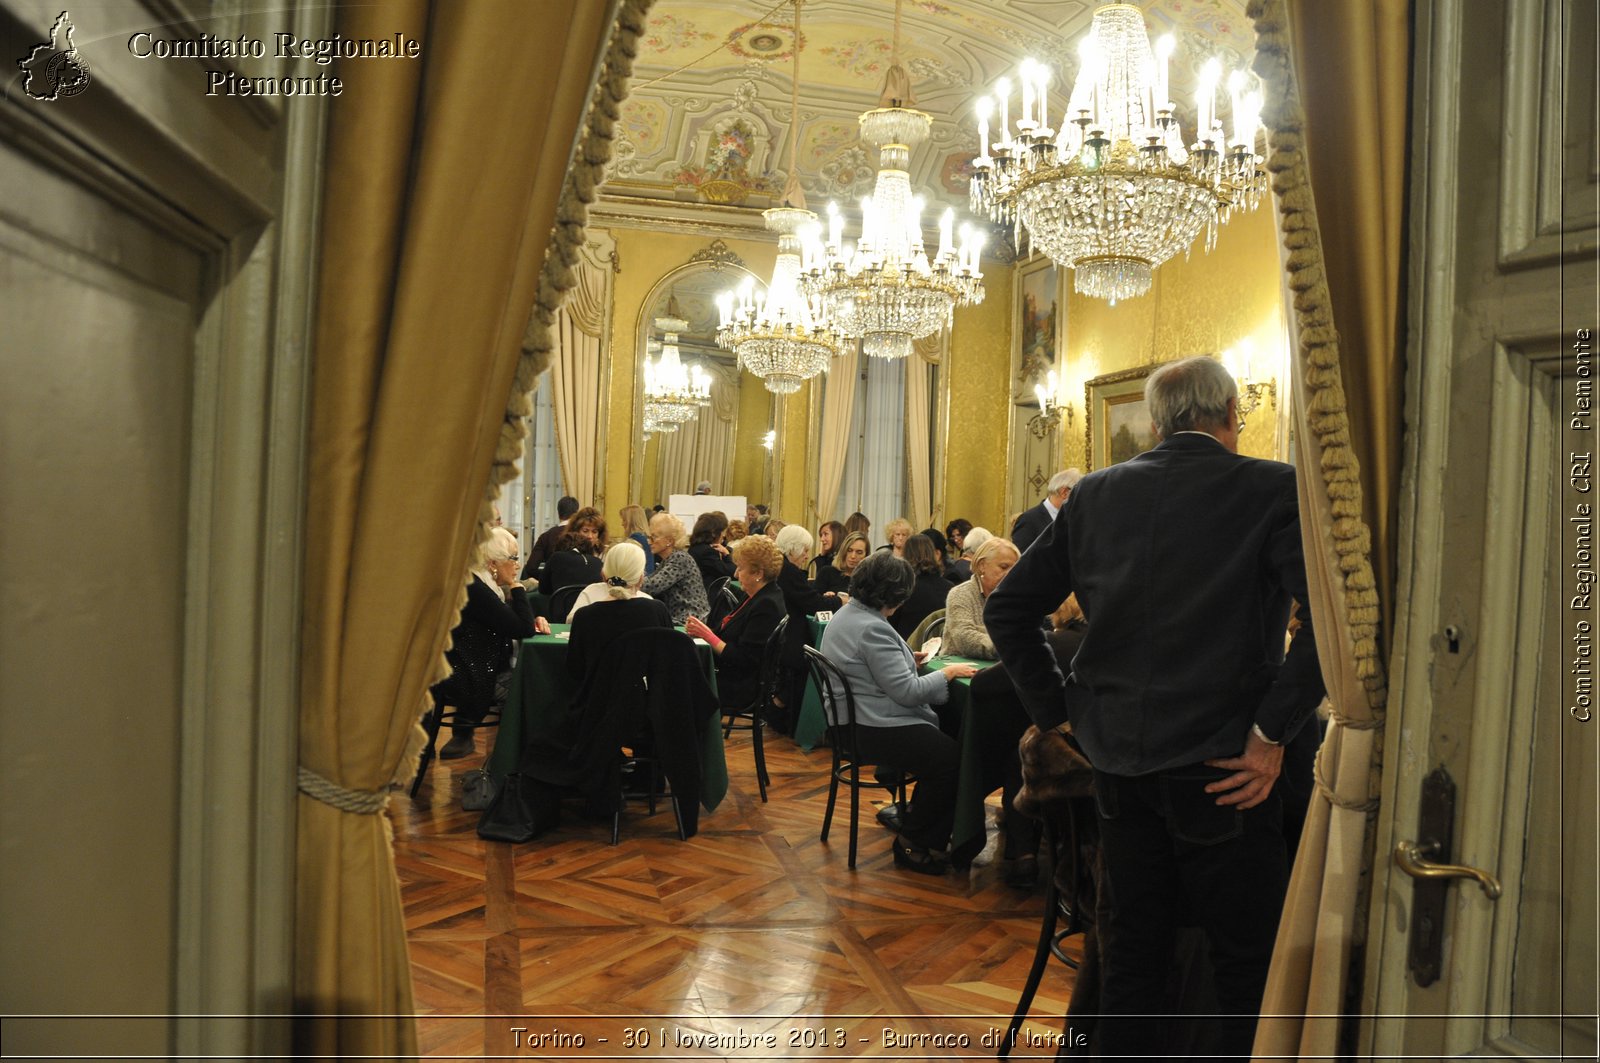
705,447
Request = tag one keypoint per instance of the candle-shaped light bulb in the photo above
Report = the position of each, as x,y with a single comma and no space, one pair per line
1236,82
835,225
725,308
1088,77
1205,97
747,293
1027,79
1041,76
977,253
1002,89
985,108
1164,48
1038,393
1247,120
947,222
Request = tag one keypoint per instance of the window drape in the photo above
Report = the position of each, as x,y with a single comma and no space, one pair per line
434,237
875,467
919,449
1345,285
702,449
838,416
576,377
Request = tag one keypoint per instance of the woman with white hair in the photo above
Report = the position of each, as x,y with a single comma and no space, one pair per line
803,601
676,580
621,575
898,531
964,633
614,608
495,615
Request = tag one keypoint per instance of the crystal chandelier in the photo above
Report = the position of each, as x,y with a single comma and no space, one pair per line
1115,192
782,336
884,288
673,392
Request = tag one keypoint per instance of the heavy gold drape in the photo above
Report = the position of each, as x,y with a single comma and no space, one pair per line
1339,180
444,175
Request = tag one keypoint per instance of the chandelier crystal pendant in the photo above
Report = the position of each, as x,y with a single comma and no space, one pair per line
782,335
673,392
884,288
1115,193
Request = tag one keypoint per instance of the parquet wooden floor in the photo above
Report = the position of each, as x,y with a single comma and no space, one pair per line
753,934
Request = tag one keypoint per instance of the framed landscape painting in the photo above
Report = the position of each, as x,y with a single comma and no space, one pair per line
1117,419
1037,325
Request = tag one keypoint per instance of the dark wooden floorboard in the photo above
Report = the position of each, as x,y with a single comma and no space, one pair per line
752,926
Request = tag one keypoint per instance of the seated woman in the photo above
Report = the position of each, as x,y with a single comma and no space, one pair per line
930,591
896,726
964,633
708,550
803,600
676,580
959,569
741,636
617,608
636,526
618,570
835,579
829,537
495,615
897,532
577,555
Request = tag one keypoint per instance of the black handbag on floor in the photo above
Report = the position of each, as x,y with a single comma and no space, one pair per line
522,809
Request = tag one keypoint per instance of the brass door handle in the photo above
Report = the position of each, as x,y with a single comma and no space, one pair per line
1412,859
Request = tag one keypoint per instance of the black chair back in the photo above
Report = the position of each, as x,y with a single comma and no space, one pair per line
834,687
561,602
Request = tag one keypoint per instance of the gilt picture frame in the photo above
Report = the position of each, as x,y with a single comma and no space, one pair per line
1038,326
1116,418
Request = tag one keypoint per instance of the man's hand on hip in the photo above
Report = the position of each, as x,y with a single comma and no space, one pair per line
1254,773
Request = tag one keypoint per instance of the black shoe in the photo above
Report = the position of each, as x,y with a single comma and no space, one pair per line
459,746
889,816
1023,872
921,861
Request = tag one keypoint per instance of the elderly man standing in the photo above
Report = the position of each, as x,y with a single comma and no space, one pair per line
1033,522
1185,560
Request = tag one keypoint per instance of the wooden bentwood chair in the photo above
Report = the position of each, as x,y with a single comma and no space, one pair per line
752,717
834,687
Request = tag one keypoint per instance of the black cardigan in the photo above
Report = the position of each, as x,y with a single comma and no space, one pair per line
746,631
480,647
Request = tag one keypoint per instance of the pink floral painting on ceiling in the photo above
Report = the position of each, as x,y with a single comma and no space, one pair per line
667,32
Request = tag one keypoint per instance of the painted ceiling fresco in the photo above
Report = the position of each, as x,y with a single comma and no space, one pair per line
708,117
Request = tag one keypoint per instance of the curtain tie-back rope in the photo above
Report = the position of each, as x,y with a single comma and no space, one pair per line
361,802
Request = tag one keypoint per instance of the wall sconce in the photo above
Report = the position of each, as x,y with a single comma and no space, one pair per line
1050,414
770,438
1243,366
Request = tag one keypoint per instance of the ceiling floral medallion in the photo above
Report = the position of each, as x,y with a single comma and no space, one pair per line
728,169
763,41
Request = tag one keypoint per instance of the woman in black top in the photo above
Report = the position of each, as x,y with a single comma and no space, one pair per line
804,601
829,538
705,546
835,579
481,643
930,591
741,636
577,556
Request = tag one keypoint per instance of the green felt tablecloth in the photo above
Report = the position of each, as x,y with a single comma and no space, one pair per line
968,833
540,700
811,724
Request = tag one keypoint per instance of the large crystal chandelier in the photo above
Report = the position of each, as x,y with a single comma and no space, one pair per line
673,392
1116,192
884,288
782,335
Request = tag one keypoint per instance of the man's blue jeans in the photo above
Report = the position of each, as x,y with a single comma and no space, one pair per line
1173,857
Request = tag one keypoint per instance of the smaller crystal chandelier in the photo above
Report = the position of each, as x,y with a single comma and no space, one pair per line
782,336
673,392
1116,192
884,288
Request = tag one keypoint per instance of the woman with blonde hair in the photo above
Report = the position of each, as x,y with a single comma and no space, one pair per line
676,580
835,579
897,531
636,526
964,633
741,637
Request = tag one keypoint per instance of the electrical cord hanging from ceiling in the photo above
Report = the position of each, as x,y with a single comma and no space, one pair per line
762,21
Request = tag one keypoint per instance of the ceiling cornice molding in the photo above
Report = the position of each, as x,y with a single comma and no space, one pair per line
696,219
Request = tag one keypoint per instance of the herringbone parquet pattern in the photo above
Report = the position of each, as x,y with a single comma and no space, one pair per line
753,929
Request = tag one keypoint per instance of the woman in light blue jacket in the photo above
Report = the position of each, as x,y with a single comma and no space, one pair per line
896,725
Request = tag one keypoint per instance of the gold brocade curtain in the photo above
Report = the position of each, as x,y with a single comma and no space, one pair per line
838,420
576,377
436,223
919,454
1345,279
